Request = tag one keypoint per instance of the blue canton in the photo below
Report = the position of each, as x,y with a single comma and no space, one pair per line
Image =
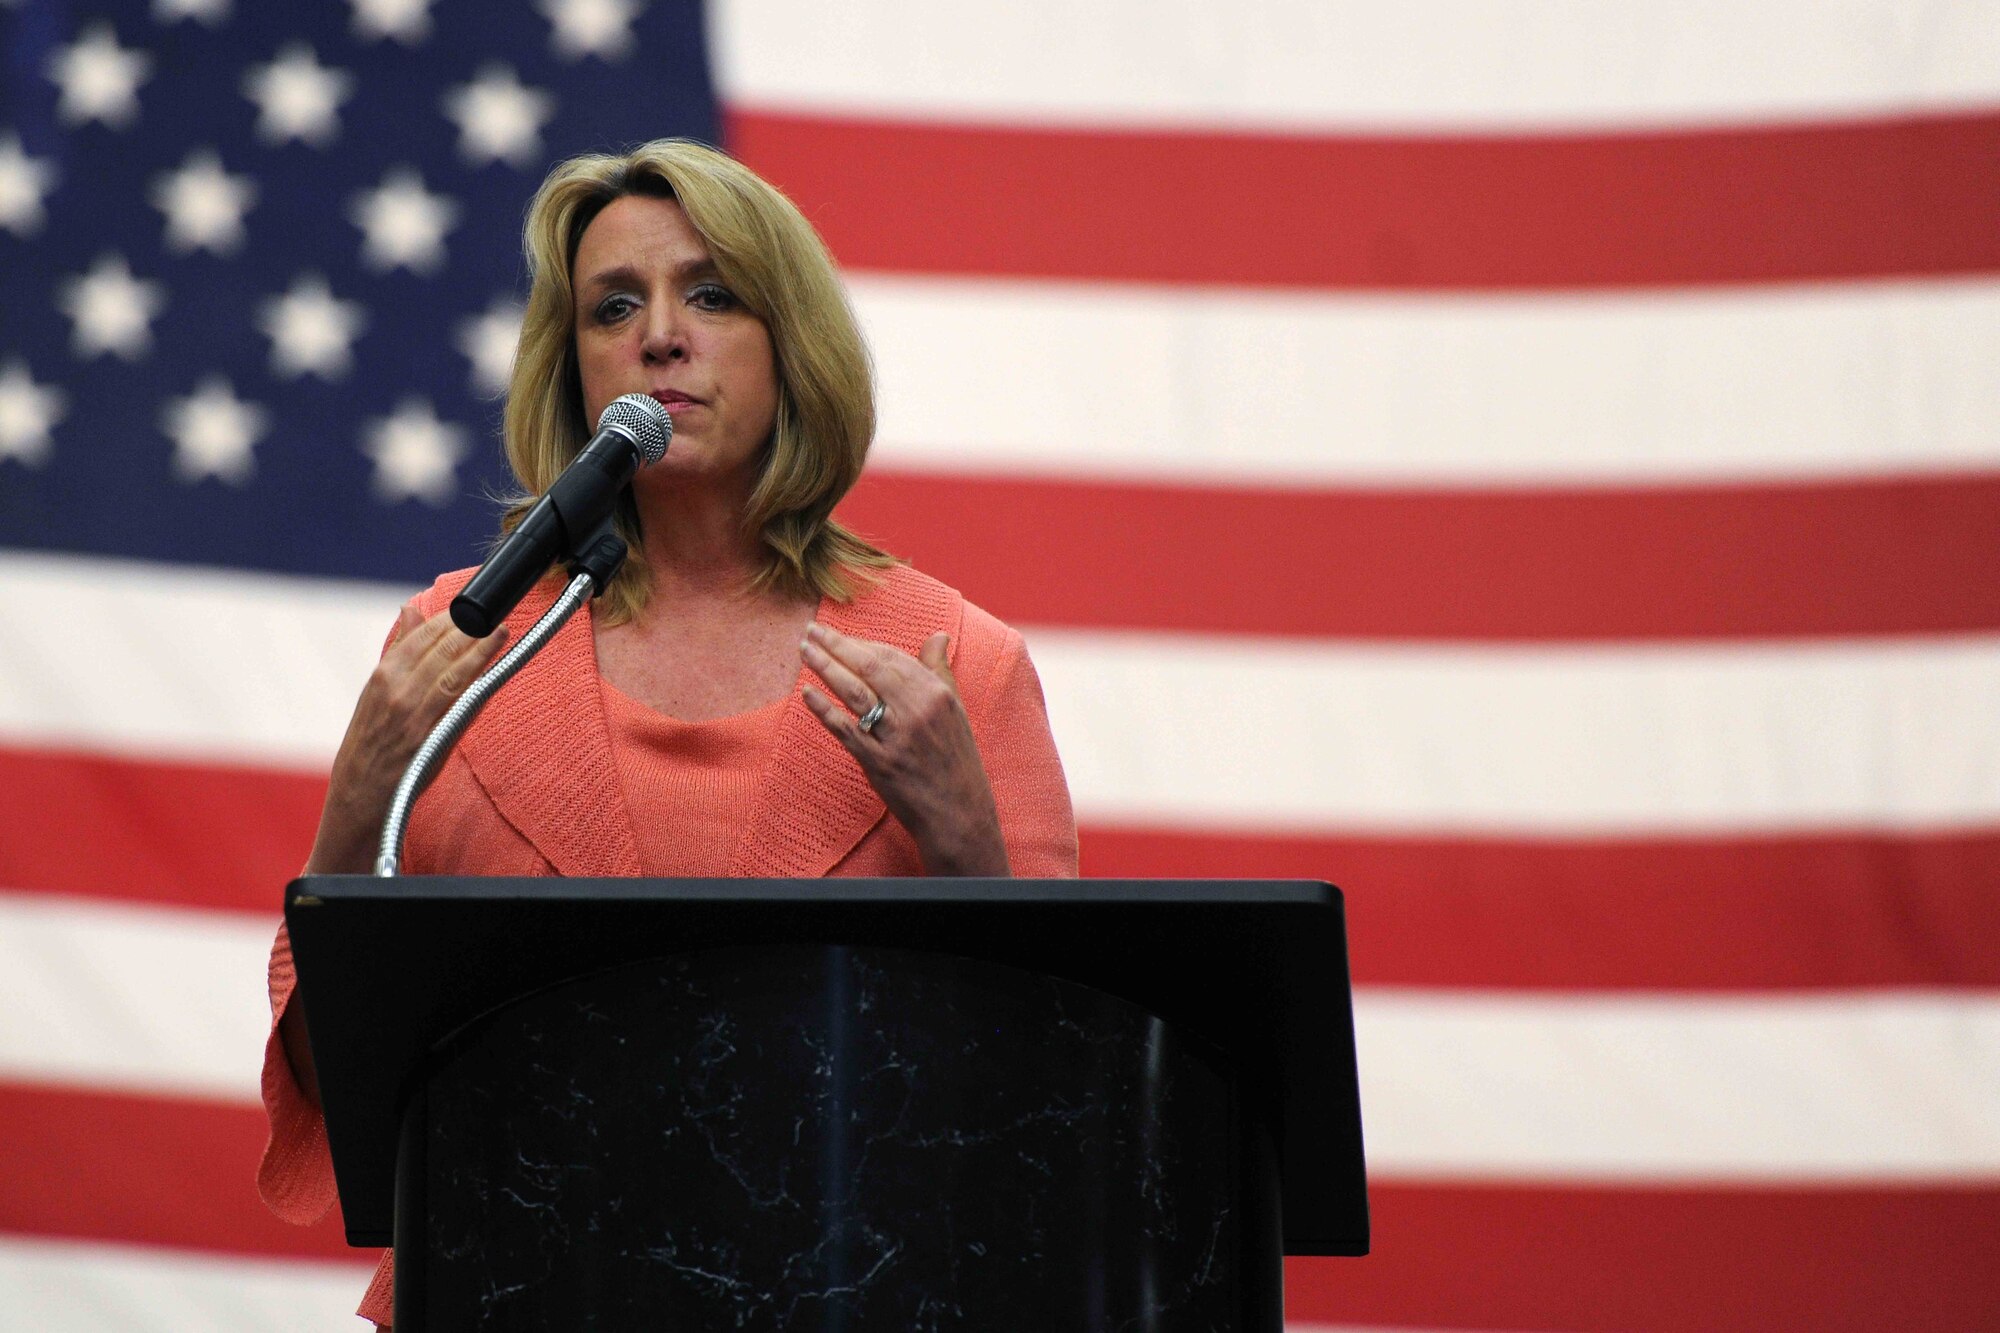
260,266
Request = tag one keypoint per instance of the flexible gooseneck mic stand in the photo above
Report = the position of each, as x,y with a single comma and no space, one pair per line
590,573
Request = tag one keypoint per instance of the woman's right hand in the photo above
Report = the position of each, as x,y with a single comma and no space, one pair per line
429,663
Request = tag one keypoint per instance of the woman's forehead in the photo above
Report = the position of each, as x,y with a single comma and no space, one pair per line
640,231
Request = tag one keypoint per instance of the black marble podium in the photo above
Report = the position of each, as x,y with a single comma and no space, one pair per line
854,1105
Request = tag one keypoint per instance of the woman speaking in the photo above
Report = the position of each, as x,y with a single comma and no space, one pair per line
759,692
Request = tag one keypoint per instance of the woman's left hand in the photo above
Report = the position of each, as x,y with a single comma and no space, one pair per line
919,755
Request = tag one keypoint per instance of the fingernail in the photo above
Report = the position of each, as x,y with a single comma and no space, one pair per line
816,631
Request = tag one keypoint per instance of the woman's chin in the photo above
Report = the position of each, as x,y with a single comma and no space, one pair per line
683,477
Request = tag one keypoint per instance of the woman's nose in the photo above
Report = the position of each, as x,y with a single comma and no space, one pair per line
663,338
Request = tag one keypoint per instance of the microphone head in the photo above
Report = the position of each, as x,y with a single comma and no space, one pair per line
641,420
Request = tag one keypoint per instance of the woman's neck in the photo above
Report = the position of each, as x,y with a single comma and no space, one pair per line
710,641
696,549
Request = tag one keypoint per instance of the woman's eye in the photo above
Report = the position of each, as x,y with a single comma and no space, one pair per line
613,308
708,296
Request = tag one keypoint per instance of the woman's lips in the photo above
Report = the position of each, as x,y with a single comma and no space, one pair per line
675,402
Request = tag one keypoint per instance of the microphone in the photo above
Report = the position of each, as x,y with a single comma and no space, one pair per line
634,429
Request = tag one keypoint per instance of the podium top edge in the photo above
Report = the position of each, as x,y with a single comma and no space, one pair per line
435,888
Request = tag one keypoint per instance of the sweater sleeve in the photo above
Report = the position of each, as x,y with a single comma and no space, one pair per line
1010,722
295,1176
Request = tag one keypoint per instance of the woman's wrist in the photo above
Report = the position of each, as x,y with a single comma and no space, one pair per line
348,831
976,851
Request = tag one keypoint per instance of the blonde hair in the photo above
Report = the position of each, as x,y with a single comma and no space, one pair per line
776,264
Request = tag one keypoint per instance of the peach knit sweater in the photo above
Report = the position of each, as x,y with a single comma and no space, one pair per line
562,775
689,785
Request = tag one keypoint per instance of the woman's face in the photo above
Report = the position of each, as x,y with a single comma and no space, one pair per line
653,317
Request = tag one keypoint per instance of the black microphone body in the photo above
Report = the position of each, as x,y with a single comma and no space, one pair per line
633,430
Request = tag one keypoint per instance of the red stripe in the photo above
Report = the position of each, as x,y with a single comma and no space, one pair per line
145,1170
154,832
1646,1260
1907,556
160,1171
1911,195
1836,910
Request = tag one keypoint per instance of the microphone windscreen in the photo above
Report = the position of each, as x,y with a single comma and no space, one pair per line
642,420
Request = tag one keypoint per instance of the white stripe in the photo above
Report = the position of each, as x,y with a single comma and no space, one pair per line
1878,1086
1088,379
165,1000
177,662
68,1287
1881,1086
1193,730
1357,63
73,1287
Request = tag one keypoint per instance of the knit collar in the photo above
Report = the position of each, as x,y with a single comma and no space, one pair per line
542,749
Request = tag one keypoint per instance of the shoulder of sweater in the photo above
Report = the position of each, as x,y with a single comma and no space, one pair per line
901,594
982,645
447,586
906,594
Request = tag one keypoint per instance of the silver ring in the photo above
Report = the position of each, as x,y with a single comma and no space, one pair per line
872,716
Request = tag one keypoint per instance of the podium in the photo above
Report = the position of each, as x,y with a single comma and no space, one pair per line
835,1104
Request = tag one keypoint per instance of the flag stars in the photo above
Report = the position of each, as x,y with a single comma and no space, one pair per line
209,12
297,97
312,332
499,119
99,79
601,28
416,455
111,310
213,432
204,205
407,21
24,183
488,341
402,223
28,412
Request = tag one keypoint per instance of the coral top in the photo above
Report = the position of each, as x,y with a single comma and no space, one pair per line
563,775
689,785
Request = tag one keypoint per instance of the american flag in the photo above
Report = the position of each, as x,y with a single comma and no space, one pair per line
1537,467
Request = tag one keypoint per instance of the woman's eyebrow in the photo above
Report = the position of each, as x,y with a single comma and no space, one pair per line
624,275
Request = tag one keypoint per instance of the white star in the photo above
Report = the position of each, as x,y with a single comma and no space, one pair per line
601,28
408,21
499,120
405,223
24,181
112,309
488,341
311,330
212,431
100,79
210,12
27,413
204,205
297,97
416,455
